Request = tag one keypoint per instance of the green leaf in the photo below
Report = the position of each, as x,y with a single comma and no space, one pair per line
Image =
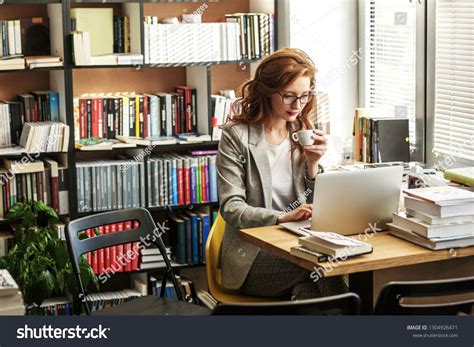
61,279
48,283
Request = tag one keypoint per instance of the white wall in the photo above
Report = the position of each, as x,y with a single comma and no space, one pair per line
328,32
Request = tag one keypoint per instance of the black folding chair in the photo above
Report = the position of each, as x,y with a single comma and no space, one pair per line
343,304
398,298
147,230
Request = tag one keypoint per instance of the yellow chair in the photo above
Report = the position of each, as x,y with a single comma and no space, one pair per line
214,273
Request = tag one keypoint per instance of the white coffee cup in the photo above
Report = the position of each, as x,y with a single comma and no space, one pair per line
304,137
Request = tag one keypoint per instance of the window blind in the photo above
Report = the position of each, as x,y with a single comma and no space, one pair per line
391,59
454,78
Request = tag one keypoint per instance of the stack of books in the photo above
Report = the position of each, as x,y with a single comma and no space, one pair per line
61,306
152,258
100,301
44,61
9,63
11,300
436,218
321,246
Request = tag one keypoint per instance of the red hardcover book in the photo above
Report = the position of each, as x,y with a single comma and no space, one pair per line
35,111
95,260
136,249
82,118
115,253
187,184
120,249
107,263
112,252
88,254
180,184
186,92
127,247
7,195
101,253
95,117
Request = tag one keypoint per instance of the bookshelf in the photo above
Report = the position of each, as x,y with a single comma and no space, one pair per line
208,77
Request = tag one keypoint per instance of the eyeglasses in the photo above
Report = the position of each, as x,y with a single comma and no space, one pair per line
289,99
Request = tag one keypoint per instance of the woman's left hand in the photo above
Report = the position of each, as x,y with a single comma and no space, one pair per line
319,147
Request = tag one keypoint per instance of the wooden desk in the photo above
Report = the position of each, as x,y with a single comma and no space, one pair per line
389,252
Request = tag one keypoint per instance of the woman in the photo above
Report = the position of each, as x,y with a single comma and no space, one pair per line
262,173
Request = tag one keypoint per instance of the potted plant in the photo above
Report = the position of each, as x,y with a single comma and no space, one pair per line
39,260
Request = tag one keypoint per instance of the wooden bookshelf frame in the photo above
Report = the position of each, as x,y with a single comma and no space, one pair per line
63,79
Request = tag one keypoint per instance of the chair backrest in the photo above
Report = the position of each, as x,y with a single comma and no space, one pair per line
423,297
147,233
343,304
213,246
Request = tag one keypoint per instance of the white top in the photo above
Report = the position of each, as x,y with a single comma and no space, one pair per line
283,193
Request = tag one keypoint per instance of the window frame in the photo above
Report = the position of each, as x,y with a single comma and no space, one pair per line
418,152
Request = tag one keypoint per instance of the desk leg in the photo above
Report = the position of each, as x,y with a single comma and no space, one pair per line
362,283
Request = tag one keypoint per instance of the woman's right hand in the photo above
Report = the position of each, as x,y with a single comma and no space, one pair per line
302,212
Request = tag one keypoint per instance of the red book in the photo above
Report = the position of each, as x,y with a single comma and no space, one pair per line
7,195
101,254
82,118
127,247
108,251
180,186
115,259
35,111
110,257
95,117
88,254
120,249
95,261
136,249
186,92
187,185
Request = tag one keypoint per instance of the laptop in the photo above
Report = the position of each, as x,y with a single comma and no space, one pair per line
352,202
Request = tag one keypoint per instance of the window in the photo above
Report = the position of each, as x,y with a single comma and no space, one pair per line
454,79
390,59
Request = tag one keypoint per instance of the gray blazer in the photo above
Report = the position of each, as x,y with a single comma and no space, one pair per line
245,194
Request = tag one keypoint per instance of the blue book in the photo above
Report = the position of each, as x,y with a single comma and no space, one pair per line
174,181
212,179
54,106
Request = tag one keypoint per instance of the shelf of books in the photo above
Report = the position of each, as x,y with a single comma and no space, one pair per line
122,108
